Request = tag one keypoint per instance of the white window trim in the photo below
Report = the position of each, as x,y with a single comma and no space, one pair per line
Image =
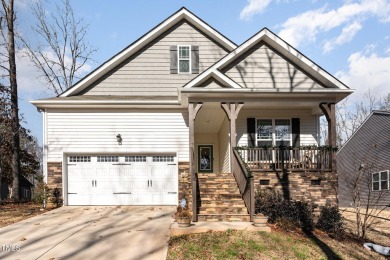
189,59
273,131
380,182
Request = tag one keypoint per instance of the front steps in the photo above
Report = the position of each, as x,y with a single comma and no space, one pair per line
220,199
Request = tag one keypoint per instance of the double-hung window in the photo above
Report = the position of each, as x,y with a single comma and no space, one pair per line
273,132
184,59
380,181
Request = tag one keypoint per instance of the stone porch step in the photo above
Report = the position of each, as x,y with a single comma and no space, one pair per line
219,191
223,210
219,182
211,175
220,198
223,217
223,179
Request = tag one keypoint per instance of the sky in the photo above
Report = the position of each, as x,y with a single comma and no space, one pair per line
348,38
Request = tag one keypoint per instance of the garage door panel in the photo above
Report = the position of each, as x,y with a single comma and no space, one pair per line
169,185
127,180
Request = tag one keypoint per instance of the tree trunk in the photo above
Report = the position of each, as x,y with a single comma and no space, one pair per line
10,17
0,185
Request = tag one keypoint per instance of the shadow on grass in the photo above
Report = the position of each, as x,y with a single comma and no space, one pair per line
330,254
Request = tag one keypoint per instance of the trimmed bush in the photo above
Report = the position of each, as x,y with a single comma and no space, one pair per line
331,220
273,205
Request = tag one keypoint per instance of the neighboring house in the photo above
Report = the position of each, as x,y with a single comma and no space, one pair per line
25,185
161,120
367,151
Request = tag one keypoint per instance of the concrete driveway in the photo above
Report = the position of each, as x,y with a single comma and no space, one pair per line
94,232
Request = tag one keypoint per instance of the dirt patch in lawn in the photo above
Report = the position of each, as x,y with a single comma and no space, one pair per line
14,212
378,233
278,244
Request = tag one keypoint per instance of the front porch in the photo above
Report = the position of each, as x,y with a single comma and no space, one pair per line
296,169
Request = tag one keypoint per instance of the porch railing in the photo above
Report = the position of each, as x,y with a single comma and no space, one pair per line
245,182
287,158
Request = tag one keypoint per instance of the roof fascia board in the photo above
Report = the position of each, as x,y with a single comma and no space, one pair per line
210,31
222,77
145,39
100,103
284,91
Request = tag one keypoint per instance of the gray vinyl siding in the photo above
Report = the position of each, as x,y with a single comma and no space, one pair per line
147,73
369,145
308,122
261,67
94,131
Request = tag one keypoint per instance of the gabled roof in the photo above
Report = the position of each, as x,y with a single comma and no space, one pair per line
181,14
374,112
283,48
220,77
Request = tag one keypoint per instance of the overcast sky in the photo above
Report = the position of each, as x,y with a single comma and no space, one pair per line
350,39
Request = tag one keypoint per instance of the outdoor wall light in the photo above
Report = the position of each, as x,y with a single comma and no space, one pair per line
119,138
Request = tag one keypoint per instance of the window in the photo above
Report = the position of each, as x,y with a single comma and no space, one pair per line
273,132
380,181
107,159
80,159
26,193
135,158
184,59
163,158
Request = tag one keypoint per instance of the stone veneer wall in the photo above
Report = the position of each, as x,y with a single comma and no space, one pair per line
54,180
301,186
185,186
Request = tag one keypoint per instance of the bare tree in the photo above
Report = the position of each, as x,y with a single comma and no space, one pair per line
8,37
366,202
351,114
61,49
385,104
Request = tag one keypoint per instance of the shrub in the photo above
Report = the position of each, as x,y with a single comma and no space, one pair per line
331,220
41,192
56,199
273,205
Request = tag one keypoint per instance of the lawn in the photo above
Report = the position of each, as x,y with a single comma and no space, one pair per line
14,212
278,244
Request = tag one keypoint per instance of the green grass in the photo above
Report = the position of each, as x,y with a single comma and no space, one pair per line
251,245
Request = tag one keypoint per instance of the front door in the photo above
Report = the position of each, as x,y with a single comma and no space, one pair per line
205,158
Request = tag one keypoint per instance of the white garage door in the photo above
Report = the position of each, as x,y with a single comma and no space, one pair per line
122,180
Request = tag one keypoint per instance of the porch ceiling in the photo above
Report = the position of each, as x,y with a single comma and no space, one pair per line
209,118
